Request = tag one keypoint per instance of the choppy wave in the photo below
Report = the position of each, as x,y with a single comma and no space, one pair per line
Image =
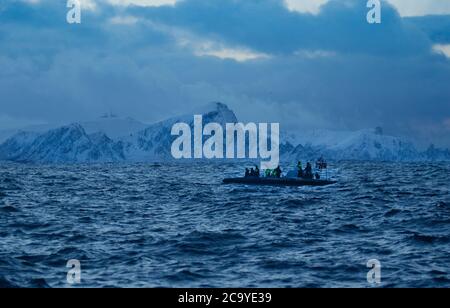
170,225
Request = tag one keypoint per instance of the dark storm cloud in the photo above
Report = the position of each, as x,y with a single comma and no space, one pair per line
332,70
267,25
437,27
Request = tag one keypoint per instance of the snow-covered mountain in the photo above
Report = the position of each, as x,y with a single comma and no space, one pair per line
347,145
109,140
155,141
65,144
435,154
6,134
110,125
114,139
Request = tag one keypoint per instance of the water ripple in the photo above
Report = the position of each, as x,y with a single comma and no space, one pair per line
173,225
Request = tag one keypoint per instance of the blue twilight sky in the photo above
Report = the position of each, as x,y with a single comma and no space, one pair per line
305,63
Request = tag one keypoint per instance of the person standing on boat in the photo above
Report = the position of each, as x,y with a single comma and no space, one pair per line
257,172
300,169
277,172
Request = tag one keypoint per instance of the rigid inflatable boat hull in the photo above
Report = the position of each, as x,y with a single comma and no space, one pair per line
278,181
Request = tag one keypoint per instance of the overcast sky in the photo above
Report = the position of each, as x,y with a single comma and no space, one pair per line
306,64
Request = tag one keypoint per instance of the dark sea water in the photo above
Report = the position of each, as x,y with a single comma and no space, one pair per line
176,225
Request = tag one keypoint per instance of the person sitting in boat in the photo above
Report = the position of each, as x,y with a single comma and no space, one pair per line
300,169
257,172
277,172
247,172
252,172
268,173
308,171
317,176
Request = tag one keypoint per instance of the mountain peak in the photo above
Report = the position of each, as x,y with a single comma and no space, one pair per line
219,106
70,129
211,107
218,112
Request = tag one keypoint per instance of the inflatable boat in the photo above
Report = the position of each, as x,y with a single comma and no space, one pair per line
278,181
